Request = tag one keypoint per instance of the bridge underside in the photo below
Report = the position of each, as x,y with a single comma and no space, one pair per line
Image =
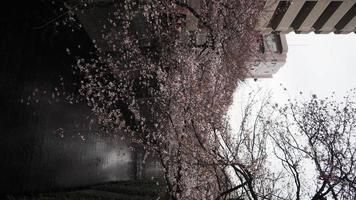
304,16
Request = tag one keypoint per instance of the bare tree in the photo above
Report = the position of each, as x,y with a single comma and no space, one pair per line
323,132
244,152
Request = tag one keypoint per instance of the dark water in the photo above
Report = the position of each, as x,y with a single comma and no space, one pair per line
48,139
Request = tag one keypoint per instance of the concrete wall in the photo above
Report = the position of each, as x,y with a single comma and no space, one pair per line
272,56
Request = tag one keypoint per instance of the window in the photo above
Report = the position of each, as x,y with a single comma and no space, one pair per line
273,43
261,45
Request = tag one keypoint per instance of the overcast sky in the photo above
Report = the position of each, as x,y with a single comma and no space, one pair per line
316,64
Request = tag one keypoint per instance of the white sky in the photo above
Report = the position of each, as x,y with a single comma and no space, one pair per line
316,64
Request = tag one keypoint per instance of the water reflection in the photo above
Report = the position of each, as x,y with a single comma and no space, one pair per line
58,147
48,137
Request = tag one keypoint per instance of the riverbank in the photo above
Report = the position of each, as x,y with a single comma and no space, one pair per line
123,190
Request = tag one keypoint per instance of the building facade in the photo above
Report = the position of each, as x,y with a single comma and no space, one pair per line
301,16
271,56
304,16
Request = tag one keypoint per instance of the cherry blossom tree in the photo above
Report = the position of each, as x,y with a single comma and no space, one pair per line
166,79
320,132
300,150
244,152
164,76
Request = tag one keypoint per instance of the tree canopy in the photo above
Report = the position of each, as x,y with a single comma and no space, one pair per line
167,79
